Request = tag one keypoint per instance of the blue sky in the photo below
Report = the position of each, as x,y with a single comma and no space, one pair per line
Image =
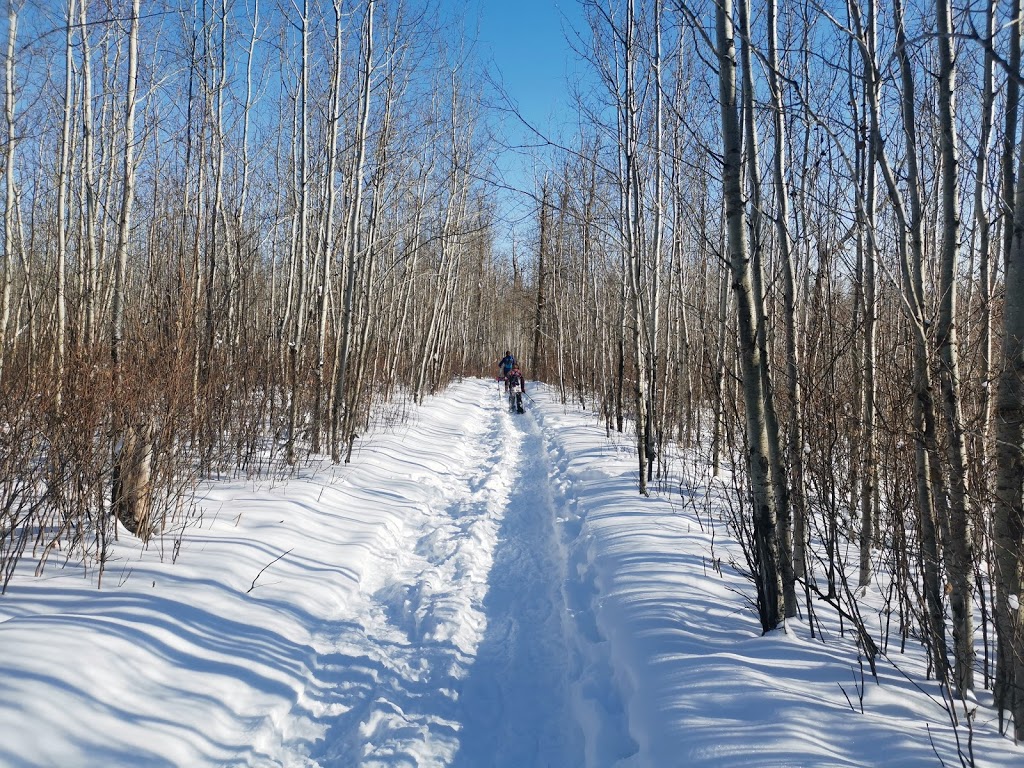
529,49
524,43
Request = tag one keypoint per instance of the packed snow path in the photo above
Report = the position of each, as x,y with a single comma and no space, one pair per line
476,589
515,702
468,626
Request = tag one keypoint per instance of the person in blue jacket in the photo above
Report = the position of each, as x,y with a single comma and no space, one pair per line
505,367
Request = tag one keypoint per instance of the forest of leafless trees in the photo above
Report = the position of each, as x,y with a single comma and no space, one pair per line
230,228
785,238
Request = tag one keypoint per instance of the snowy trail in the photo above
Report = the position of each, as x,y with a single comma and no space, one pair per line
458,654
408,609
517,701
475,590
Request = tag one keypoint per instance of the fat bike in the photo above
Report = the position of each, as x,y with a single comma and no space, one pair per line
515,399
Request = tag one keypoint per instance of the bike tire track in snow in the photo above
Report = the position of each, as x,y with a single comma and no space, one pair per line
458,649
394,673
475,589
517,703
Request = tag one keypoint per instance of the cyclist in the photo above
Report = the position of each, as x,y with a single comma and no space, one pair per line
505,367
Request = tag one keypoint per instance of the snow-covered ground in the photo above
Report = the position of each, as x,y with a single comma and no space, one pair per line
476,589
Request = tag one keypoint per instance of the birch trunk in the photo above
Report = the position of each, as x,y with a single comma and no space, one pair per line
63,188
539,369
300,245
757,251
134,452
1007,198
127,194
791,510
653,319
960,553
1008,415
353,246
866,215
930,491
771,604
983,226
7,275
721,368
1008,510
632,232
326,239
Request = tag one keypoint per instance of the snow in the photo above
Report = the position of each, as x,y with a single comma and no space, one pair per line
477,588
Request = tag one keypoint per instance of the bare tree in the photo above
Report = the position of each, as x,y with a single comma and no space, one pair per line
300,243
1008,509
63,190
960,549
354,248
133,451
771,604
543,268
10,199
326,236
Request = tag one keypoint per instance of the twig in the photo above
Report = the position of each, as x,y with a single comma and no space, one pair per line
935,749
251,588
859,685
852,708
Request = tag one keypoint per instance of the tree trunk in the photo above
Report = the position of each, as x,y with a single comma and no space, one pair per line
7,273
353,246
791,513
930,491
326,238
866,215
133,454
63,189
300,243
768,578
1008,510
538,358
961,548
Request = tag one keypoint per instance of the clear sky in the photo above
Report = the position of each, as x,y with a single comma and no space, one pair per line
524,42
527,41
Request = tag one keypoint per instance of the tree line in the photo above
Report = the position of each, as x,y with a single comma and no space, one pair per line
784,242
232,231
798,235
